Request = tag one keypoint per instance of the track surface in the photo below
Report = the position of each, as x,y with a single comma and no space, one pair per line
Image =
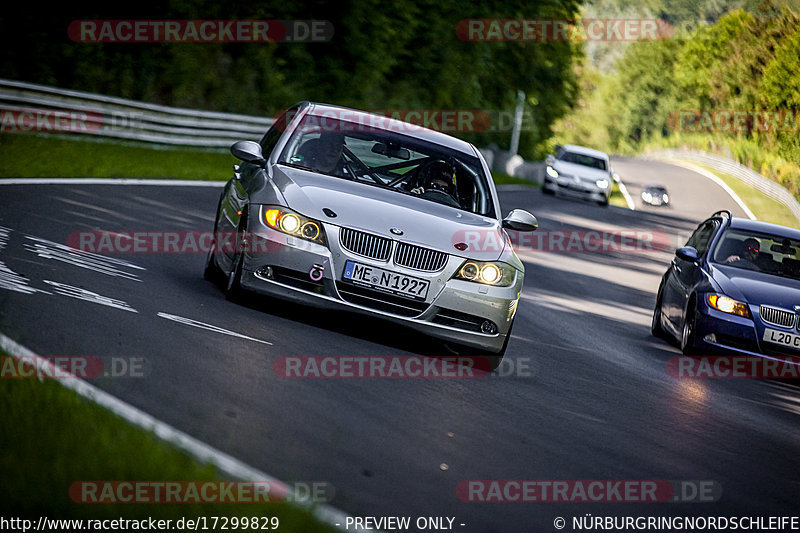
599,403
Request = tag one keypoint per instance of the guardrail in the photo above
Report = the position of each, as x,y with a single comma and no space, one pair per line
45,109
771,189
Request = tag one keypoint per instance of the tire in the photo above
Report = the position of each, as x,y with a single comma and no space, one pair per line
656,329
495,358
603,203
233,289
211,272
689,331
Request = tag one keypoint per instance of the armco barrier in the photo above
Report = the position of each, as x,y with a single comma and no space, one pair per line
771,189
120,118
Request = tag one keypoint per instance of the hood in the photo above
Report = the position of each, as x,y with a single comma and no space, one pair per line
573,169
376,210
757,288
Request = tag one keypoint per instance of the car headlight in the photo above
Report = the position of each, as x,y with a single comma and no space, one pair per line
720,302
603,184
487,272
288,222
666,198
553,173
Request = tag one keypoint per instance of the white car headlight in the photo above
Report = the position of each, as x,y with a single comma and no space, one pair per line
603,184
487,272
553,173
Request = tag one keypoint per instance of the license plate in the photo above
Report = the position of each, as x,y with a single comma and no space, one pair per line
385,280
791,340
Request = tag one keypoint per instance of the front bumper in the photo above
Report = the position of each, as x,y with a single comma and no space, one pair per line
569,187
312,274
720,332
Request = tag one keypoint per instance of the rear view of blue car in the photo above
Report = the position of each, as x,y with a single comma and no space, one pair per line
734,287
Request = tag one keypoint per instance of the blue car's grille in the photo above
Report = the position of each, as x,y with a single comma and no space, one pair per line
365,244
777,317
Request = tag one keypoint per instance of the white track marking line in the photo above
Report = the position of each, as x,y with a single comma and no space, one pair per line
624,190
88,296
716,179
109,181
210,327
95,262
197,449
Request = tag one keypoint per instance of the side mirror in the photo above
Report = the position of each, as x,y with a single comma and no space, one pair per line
550,159
520,220
687,253
249,151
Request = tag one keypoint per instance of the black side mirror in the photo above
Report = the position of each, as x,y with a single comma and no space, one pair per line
249,151
687,253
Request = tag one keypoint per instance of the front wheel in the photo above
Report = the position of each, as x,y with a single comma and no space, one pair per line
689,332
233,289
655,327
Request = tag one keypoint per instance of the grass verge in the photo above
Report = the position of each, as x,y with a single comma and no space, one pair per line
51,437
27,155
762,206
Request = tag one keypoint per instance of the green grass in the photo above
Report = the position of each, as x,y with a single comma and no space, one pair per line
51,437
616,197
26,155
504,179
762,206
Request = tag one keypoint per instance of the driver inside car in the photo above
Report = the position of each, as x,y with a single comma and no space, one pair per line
438,183
748,255
324,154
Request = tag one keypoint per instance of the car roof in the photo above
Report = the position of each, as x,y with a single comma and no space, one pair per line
765,227
655,186
585,151
412,130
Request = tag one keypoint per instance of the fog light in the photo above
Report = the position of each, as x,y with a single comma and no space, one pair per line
710,338
488,327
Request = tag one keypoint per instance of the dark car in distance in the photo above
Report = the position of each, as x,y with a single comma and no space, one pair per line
734,288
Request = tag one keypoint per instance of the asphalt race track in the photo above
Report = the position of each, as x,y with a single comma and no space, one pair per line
584,394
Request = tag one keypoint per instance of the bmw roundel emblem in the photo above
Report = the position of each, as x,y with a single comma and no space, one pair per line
396,231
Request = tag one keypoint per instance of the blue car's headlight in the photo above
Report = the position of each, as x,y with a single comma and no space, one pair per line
720,302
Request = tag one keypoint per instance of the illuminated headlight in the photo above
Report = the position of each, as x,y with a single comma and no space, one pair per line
603,184
666,198
488,273
553,173
728,305
290,223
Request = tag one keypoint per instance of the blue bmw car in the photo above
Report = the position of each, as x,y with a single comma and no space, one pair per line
734,287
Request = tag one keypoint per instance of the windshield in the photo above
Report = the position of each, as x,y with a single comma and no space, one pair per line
770,254
585,160
390,160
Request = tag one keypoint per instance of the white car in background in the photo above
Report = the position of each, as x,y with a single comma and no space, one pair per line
579,171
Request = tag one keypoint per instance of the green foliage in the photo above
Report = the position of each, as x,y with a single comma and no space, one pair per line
398,55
